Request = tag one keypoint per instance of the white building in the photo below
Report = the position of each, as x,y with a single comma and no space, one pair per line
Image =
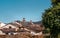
34,33
2,24
9,25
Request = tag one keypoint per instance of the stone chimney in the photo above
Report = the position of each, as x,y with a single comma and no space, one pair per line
31,22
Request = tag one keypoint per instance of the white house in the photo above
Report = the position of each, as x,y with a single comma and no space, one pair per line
9,25
34,33
1,33
2,24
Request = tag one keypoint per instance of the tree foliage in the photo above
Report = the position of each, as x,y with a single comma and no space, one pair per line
55,2
51,17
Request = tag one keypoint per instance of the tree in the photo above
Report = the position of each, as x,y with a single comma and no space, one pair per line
51,18
55,2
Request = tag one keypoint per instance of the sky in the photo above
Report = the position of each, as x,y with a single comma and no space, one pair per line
11,10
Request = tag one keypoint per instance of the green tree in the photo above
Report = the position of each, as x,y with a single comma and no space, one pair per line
51,18
55,2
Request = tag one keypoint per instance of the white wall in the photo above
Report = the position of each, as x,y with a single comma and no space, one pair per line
2,24
7,26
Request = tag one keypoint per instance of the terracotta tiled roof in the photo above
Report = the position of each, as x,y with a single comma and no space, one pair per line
14,24
8,30
34,27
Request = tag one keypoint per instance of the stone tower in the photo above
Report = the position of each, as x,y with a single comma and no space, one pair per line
23,20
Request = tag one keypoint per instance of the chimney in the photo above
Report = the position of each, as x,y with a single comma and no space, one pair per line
31,22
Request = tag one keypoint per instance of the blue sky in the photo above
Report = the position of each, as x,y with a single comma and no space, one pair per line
11,10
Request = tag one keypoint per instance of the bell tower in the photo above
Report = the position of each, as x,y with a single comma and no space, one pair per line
23,20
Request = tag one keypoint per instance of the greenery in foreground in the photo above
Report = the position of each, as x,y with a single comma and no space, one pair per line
51,18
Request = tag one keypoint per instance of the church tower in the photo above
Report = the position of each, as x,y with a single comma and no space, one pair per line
23,20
